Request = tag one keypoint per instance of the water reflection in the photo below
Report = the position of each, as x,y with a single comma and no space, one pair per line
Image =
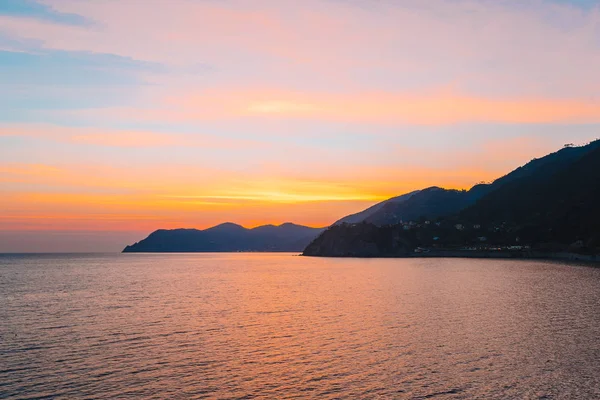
252,325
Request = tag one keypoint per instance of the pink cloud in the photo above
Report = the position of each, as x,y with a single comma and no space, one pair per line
441,107
275,63
509,48
122,138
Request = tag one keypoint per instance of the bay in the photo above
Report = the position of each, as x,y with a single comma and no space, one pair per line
250,325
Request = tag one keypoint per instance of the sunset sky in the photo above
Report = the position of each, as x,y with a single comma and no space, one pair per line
119,117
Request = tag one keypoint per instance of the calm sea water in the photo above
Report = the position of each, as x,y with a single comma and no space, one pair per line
281,326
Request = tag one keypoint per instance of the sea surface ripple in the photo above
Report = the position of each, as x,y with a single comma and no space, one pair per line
241,326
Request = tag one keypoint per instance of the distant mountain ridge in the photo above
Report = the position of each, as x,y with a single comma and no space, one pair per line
227,237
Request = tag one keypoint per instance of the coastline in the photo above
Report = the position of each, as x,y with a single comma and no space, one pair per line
532,255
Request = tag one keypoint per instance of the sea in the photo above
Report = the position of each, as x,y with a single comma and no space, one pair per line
282,326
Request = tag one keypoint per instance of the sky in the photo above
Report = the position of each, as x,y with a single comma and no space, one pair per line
119,117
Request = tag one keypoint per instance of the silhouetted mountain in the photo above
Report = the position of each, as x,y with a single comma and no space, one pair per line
550,204
361,216
558,204
227,237
428,203
435,202
360,240
226,228
547,165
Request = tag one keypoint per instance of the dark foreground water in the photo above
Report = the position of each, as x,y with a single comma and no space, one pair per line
281,326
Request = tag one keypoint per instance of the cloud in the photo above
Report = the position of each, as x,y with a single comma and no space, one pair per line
66,196
442,62
120,138
195,112
435,109
69,68
440,107
32,8
508,48
28,170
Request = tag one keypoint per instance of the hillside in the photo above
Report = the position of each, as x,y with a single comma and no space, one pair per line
550,204
559,207
227,237
437,202
429,203
363,215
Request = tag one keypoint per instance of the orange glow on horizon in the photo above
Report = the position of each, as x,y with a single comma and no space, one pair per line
315,204
144,198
